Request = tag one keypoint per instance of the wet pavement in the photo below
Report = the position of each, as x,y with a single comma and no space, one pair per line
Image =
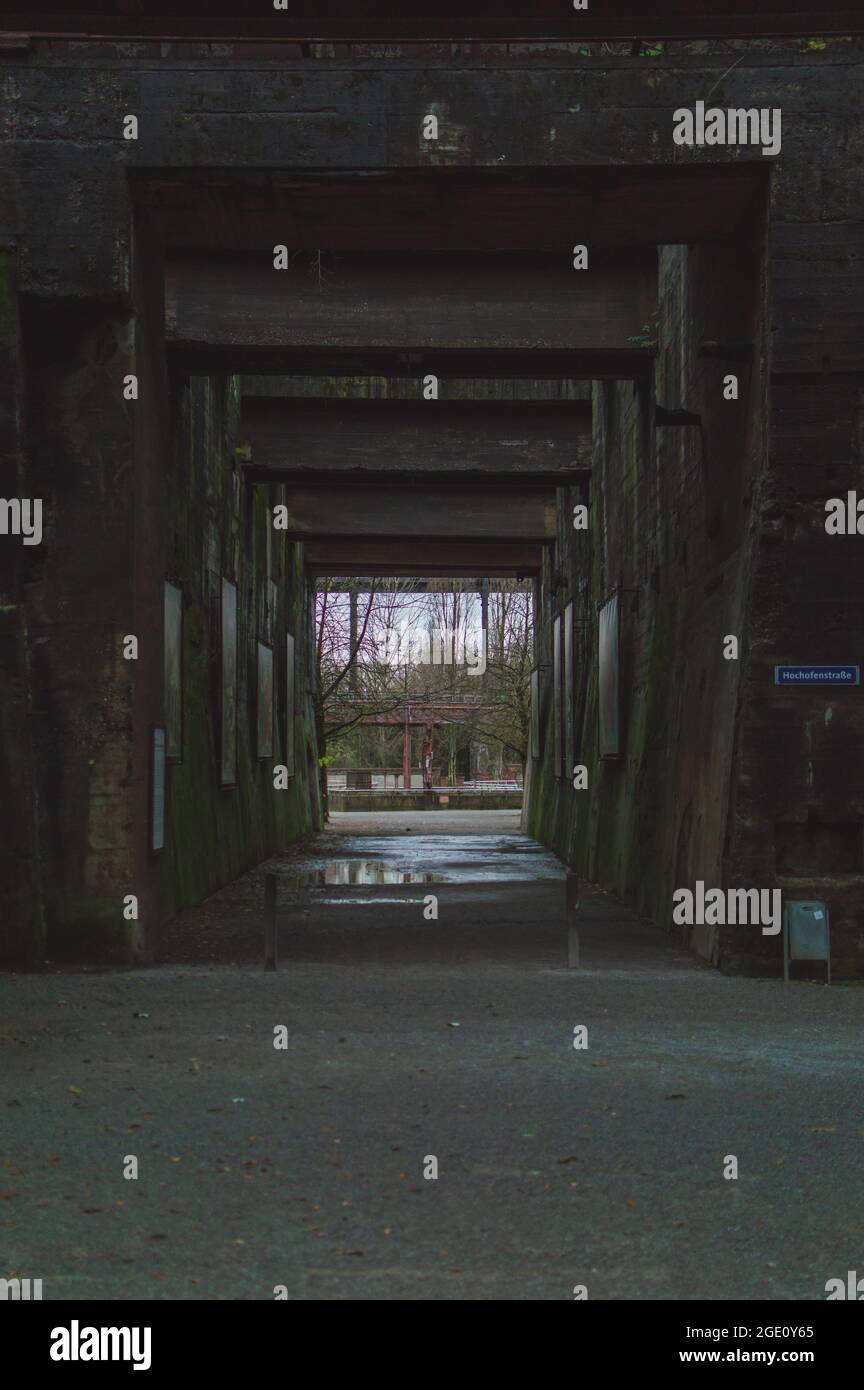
306,1165
402,858
418,858
365,872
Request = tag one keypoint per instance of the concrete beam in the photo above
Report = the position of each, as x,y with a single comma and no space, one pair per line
467,512
448,20
439,302
447,208
301,439
594,364
70,173
365,584
422,557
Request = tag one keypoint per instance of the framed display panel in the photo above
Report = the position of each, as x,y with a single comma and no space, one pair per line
289,703
158,744
173,673
556,693
228,685
536,750
271,607
609,702
569,701
264,742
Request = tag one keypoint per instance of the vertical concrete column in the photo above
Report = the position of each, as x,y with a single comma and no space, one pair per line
22,937
97,442
79,611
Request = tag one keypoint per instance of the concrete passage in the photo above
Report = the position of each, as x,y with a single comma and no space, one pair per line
407,1039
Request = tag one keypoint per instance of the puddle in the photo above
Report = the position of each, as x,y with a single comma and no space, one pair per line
371,871
406,860
363,902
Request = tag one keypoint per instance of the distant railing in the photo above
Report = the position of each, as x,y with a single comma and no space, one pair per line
390,779
491,784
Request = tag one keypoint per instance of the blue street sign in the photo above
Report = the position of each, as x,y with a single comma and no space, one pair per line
817,675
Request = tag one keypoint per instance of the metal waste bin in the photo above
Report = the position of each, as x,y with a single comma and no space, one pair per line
806,935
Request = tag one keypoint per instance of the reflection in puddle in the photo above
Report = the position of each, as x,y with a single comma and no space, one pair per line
371,871
363,902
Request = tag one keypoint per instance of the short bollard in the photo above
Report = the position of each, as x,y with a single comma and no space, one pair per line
269,921
572,921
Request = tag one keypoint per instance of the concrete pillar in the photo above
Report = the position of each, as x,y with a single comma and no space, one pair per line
79,610
22,937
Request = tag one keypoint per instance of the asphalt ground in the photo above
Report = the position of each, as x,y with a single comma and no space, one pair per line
409,1039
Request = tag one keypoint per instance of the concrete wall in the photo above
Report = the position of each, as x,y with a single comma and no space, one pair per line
78,599
22,923
137,492
219,526
715,529
671,529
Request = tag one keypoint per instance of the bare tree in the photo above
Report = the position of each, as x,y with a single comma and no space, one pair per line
365,669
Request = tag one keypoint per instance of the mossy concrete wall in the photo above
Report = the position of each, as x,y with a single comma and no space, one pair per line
136,488
136,491
219,526
711,529
671,530
22,916
78,603
705,530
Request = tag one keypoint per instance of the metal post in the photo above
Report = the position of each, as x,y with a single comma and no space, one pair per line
572,921
269,921
484,617
785,930
406,755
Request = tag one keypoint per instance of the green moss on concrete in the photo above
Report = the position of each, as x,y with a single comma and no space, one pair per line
22,937
8,304
22,919
219,527
611,833
93,931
